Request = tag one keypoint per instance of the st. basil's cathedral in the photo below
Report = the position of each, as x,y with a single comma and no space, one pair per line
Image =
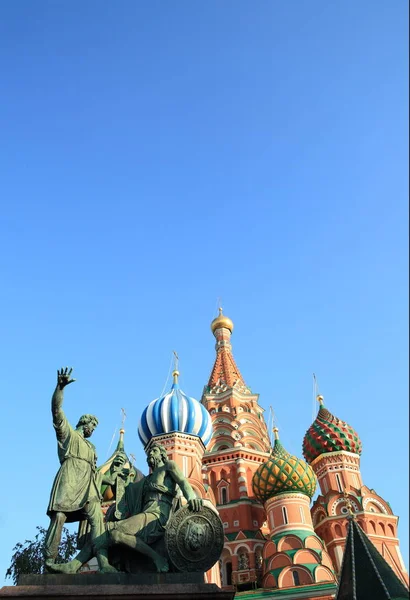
277,545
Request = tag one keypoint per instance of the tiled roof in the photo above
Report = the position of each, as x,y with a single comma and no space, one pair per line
365,573
225,373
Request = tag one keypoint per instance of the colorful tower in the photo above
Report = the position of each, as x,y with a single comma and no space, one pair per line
240,443
295,556
333,449
183,426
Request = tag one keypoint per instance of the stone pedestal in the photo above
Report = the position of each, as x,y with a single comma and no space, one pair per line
115,586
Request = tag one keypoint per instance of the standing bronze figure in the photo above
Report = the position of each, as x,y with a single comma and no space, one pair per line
75,495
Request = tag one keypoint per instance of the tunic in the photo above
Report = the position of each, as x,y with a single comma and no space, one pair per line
76,482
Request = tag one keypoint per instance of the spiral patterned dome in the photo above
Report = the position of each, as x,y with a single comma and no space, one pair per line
175,412
283,472
329,434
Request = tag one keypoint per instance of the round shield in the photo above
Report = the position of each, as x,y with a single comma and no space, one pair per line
194,540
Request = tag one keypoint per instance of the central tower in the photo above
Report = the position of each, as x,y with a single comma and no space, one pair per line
239,445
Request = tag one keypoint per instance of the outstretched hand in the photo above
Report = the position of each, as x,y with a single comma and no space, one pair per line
64,378
195,504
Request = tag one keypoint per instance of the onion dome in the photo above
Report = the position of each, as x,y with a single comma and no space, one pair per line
175,412
221,321
283,472
329,434
134,474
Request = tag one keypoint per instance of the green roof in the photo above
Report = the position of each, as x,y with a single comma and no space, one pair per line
365,573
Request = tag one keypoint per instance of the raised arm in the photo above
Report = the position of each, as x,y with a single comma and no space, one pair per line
194,503
59,419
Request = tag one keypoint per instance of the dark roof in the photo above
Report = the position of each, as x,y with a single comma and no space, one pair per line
365,573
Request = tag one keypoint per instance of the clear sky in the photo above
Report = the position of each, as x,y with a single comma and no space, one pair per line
156,156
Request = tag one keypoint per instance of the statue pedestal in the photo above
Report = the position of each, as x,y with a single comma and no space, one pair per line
115,586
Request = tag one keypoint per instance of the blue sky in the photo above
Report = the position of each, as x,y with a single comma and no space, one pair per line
158,156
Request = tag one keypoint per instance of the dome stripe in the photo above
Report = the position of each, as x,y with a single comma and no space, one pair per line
191,417
141,436
157,414
143,428
165,410
198,418
174,410
183,413
204,420
150,418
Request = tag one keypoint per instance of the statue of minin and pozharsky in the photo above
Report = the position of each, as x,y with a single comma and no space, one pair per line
146,528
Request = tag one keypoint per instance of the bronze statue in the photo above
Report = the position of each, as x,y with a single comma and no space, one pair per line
75,494
140,516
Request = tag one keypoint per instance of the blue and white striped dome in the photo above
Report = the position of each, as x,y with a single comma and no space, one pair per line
175,412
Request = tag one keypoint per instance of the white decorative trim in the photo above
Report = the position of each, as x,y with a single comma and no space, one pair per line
334,454
369,499
343,501
296,496
290,527
241,545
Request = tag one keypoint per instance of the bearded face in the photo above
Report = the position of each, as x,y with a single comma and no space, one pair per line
88,429
196,536
154,457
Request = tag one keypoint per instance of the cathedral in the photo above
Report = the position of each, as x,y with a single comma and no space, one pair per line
276,543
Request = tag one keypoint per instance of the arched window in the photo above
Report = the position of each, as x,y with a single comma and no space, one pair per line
243,561
228,571
339,483
285,515
224,495
296,579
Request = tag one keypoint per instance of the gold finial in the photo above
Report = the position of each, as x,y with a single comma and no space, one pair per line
276,433
175,372
349,504
221,321
122,431
319,398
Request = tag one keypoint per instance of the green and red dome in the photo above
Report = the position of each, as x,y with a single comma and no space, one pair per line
283,472
329,434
